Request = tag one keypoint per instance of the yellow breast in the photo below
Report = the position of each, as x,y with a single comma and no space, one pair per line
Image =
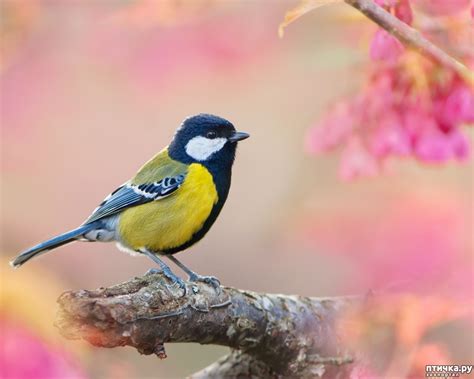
172,221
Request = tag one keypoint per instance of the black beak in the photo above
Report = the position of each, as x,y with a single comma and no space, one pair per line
238,136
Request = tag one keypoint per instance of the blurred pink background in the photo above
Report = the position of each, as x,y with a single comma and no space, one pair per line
91,90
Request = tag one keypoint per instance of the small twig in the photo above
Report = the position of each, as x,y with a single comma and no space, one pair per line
410,37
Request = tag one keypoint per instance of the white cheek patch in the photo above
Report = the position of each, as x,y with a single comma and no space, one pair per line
201,148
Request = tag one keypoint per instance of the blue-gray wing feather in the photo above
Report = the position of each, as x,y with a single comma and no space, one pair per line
131,195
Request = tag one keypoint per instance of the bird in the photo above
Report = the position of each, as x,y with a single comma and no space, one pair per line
171,202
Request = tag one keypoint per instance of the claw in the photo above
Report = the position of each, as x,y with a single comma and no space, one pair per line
164,269
210,280
175,279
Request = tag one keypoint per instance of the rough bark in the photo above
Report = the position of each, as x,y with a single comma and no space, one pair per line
270,335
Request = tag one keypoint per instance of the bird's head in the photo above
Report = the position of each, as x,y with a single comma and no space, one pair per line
205,138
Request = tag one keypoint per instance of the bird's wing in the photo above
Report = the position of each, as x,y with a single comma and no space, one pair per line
130,195
161,176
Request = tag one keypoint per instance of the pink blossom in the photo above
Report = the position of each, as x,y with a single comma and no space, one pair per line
378,98
385,47
459,145
390,138
25,355
393,122
434,145
416,109
386,3
331,131
415,120
457,107
403,11
356,161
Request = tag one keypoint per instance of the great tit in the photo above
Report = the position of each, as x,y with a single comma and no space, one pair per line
171,202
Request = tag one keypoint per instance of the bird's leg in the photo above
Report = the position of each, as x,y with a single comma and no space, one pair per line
164,269
193,277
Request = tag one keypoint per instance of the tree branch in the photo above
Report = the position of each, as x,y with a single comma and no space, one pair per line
410,36
407,35
271,335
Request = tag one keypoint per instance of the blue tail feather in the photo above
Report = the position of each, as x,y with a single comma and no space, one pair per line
52,243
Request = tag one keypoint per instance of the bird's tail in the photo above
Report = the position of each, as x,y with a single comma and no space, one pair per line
52,243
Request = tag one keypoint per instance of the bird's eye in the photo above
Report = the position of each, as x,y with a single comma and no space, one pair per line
211,135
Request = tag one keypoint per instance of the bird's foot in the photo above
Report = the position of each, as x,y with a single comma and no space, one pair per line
166,271
211,280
